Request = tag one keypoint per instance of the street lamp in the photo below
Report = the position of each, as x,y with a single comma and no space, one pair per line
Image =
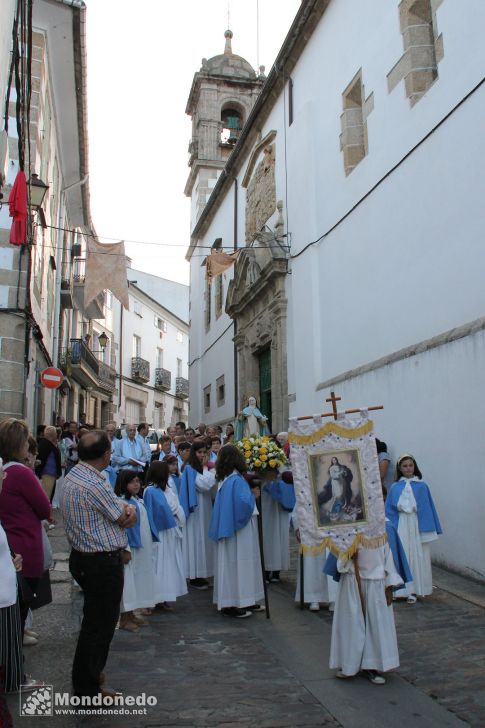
103,340
38,191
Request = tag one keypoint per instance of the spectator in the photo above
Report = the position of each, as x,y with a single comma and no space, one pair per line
384,463
40,431
95,521
23,503
165,443
70,442
189,435
180,429
143,437
11,666
49,468
129,452
201,428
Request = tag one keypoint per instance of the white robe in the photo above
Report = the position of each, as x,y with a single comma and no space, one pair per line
370,642
276,534
198,549
317,586
167,554
139,586
238,581
415,544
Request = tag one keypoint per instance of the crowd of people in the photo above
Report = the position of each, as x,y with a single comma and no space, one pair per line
148,523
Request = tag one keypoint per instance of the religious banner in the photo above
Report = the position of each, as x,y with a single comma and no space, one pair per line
218,262
339,503
106,268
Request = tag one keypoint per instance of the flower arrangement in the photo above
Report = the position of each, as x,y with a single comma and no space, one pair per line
261,453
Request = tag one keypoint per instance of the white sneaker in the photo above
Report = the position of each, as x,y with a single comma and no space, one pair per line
29,640
314,607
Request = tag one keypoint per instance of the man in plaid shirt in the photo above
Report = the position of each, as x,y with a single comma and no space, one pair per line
95,521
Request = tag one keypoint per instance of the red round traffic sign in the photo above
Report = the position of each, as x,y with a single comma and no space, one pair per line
51,378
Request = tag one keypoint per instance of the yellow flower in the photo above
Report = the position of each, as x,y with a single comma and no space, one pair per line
257,463
272,463
263,450
263,458
247,446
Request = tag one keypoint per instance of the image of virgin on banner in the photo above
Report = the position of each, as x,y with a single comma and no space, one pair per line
337,484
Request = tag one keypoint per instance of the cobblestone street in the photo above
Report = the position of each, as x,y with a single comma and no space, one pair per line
209,671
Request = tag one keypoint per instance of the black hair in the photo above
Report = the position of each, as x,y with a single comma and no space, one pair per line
216,438
183,446
123,479
141,426
181,424
229,458
157,474
417,471
193,459
190,429
381,445
40,430
98,443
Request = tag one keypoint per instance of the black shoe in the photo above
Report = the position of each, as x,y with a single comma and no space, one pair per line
201,584
256,608
236,612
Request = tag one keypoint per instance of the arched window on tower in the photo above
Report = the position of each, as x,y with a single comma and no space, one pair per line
231,126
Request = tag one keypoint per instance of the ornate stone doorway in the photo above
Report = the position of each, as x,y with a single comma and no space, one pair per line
265,405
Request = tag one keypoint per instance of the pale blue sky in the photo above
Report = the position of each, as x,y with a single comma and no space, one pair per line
141,60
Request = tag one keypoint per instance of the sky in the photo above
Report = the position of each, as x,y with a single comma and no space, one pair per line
142,57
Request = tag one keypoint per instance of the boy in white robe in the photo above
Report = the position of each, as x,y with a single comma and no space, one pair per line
363,630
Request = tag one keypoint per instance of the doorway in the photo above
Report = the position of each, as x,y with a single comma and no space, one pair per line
265,384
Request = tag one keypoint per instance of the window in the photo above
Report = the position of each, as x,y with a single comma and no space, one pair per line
180,337
219,295
160,324
159,358
423,49
208,288
353,139
220,391
179,367
136,346
207,398
231,121
137,308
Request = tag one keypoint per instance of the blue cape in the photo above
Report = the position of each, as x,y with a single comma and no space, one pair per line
188,491
112,474
400,560
233,508
428,520
160,516
133,533
176,480
283,493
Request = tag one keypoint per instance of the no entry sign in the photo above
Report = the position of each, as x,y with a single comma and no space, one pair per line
51,378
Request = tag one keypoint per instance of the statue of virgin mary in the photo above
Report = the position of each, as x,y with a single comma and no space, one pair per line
250,421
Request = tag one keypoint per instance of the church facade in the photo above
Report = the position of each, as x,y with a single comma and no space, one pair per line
354,192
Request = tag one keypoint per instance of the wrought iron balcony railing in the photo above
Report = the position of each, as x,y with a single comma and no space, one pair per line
182,388
163,379
140,369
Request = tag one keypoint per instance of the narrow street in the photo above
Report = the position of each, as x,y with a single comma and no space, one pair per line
206,670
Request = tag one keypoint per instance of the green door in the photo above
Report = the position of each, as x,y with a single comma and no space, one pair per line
265,384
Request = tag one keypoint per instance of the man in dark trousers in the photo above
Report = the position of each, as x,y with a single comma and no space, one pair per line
95,521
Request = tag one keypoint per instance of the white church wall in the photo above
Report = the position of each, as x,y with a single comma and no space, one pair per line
212,349
432,409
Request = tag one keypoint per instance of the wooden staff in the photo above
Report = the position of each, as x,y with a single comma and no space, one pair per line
259,503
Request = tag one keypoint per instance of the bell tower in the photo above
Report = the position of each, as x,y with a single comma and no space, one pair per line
223,93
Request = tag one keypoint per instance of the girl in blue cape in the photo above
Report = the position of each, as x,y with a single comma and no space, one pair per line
139,585
238,582
410,508
167,521
173,473
196,484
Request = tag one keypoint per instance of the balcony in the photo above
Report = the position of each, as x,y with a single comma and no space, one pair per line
181,388
163,379
95,309
67,298
79,362
107,377
140,369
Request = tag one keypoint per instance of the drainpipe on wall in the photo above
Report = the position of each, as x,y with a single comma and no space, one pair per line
236,385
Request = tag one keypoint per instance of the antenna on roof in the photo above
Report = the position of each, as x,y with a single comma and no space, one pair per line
257,33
